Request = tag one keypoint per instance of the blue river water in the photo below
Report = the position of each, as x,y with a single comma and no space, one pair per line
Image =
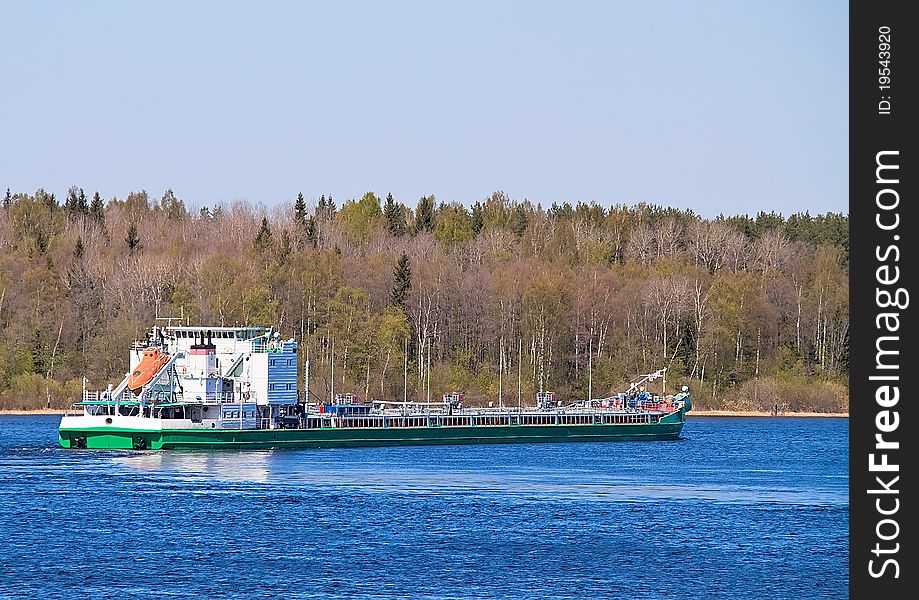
738,508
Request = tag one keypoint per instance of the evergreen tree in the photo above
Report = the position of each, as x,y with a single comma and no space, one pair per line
71,203
263,237
520,221
285,245
7,200
78,249
300,210
310,232
204,214
478,218
326,209
47,200
41,241
395,217
173,207
424,214
133,241
403,281
82,205
97,210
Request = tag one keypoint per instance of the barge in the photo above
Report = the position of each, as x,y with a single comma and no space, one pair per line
236,387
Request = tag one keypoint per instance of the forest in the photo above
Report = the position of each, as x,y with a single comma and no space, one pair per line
499,300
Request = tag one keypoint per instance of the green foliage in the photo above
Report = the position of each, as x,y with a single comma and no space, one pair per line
477,218
173,207
424,215
360,217
395,217
454,225
97,210
300,210
133,240
520,221
402,282
263,241
310,233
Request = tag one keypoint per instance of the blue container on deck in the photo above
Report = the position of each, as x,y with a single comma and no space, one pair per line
346,409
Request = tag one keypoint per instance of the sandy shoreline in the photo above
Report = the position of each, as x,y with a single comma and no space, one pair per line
753,413
694,413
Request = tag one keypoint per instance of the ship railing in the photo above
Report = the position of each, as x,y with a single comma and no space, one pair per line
218,398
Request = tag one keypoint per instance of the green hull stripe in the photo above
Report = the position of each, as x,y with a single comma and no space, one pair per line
122,438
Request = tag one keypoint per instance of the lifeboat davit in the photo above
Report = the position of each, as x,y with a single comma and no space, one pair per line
150,364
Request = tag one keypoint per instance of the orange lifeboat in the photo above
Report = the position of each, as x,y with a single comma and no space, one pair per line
150,364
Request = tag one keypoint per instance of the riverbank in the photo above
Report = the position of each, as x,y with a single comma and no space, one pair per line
755,413
37,411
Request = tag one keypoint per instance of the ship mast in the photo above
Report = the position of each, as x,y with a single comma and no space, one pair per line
501,374
590,370
519,375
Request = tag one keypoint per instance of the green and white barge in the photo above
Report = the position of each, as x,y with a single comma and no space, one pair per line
236,387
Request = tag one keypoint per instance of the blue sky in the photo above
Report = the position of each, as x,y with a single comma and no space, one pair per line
714,106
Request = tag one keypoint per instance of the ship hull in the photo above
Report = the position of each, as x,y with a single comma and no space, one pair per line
149,439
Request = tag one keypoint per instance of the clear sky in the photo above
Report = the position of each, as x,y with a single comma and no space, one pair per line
717,106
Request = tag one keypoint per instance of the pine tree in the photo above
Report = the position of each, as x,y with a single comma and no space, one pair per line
71,204
402,283
424,214
82,205
300,210
133,241
520,221
173,207
78,249
395,217
97,210
285,245
7,200
47,200
478,218
310,232
263,237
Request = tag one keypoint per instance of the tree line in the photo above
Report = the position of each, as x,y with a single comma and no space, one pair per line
499,299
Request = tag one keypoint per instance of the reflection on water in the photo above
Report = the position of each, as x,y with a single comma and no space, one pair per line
312,468
251,467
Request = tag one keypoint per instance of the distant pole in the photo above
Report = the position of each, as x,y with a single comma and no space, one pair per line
519,372
306,381
405,370
590,371
430,346
332,389
500,375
